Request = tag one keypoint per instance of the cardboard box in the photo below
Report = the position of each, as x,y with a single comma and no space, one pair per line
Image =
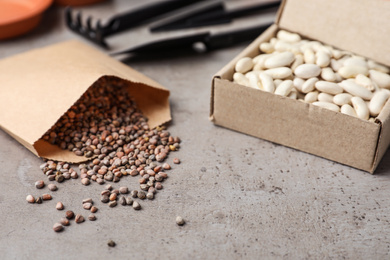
359,26
39,86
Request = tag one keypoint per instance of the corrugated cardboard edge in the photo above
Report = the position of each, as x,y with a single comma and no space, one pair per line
151,97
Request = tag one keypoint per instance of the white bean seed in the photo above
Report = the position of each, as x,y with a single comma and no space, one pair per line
244,65
328,87
306,71
279,73
378,101
311,97
284,88
327,105
348,110
308,86
352,71
324,97
380,78
342,99
267,82
355,89
282,59
360,107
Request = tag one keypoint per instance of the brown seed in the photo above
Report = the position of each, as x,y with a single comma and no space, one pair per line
150,195
108,187
158,186
122,201
39,184
176,160
141,195
112,203
59,206
59,178
69,214
163,174
180,221
79,219
111,243
123,190
136,205
92,217
134,193
64,222
94,209
89,200
104,199
100,181
113,196
52,187
87,206
58,227
85,181
144,187
129,201
115,191
166,166
46,197
38,200
105,192
30,199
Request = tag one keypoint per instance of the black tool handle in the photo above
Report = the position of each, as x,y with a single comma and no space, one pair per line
226,15
233,37
171,44
136,17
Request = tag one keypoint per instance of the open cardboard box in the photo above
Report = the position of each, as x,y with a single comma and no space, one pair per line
359,26
39,86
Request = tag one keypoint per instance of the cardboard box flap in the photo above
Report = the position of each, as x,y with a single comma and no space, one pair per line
39,86
360,26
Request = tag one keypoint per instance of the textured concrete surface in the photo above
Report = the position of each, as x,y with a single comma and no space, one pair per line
242,197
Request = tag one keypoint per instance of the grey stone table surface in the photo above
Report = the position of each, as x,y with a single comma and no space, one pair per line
241,197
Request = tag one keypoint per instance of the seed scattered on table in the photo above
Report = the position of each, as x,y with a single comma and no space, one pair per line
69,214
92,217
39,184
89,200
94,209
79,219
87,206
122,201
176,160
141,195
111,243
38,200
150,196
64,222
30,199
85,181
136,205
112,203
129,201
123,190
52,187
46,197
58,227
180,221
59,206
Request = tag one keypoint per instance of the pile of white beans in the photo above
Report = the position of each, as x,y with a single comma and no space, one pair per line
316,73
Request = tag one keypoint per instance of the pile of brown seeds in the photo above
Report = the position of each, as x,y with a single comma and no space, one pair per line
106,126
